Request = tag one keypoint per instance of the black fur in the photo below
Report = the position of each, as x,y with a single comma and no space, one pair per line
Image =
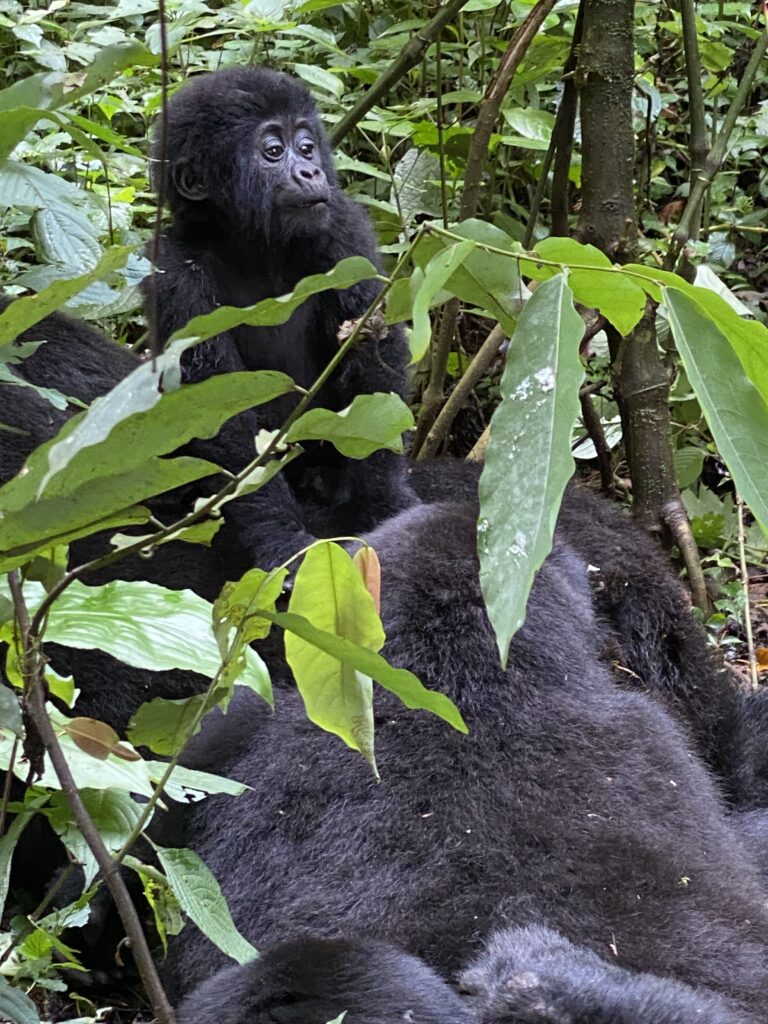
644,621
535,976
308,981
235,240
572,802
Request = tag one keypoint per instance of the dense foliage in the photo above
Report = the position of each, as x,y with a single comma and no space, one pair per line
82,84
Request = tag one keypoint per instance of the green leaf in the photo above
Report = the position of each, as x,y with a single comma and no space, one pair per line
15,124
64,235
115,814
371,422
10,839
165,726
10,712
438,271
15,1006
199,896
26,312
31,528
269,312
44,90
137,420
109,62
330,592
320,79
735,410
238,602
143,625
187,784
489,280
404,684
620,299
689,462
528,459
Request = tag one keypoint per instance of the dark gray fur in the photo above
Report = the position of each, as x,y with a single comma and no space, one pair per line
309,981
646,628
572,801
533,975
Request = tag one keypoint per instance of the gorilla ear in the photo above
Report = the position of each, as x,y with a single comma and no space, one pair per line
187,183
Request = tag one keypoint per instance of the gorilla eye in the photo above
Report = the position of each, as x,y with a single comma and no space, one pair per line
274,150
307,148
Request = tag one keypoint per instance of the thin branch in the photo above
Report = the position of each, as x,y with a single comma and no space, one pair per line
745,586
476,369
488,114
676,520
717,154
162,184
37,714
408,58
594,427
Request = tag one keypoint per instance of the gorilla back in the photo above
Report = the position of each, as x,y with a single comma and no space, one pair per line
572,803
256,207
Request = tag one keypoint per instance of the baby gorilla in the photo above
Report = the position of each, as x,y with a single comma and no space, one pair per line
535,976
310,981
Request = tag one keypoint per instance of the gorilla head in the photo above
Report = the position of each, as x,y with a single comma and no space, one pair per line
312,981
245,148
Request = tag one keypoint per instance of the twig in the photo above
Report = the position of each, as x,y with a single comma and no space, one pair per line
490,106
479,365
408,58
676,520
162,184
477,454
34,703
745,586
717,154
594,428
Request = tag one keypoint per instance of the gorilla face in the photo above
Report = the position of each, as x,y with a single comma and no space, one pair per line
246,150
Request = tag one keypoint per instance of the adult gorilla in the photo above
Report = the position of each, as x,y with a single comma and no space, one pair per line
256,207
573,803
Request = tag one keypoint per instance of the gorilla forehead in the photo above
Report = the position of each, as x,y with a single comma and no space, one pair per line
238,97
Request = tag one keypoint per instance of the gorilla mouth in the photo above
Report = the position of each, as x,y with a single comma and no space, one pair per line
310,204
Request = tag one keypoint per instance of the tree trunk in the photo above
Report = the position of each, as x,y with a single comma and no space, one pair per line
605,79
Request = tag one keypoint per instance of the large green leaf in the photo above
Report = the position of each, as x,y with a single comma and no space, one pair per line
27,529
26,312
114,813
199,896
15,1006
489,280
268,312
404,684
528,460
187,785
619,298
143,625
329,591
439,269
736,412
371,422
135,423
